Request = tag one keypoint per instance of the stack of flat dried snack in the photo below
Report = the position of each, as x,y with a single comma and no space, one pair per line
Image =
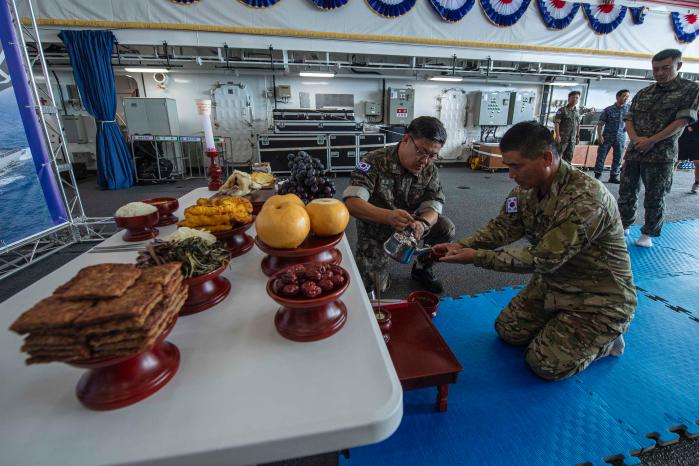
105,310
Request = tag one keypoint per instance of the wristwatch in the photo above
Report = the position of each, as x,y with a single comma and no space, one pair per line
425,223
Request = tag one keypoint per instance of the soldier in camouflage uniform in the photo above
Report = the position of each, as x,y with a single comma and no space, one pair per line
655,121
567,122
395,188
581,297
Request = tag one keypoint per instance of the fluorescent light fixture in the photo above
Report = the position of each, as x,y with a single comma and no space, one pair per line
563,84
314,83
313,74
182,81
451,79
145,69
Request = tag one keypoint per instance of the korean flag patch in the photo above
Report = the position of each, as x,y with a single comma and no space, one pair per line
363,167
511,205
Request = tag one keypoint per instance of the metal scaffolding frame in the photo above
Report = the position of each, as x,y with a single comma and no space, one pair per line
78,226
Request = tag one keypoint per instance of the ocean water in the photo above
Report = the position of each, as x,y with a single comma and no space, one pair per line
23,210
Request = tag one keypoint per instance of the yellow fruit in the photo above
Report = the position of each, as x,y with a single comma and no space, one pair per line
328,216
283,226
282,198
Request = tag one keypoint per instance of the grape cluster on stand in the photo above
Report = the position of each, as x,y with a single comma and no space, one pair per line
309,178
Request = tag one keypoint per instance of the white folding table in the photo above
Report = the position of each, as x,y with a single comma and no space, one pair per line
243,394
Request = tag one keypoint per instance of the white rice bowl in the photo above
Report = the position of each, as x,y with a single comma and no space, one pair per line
135,209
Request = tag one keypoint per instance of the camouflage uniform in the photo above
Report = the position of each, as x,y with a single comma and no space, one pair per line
581,296
652,109
568,120
381,180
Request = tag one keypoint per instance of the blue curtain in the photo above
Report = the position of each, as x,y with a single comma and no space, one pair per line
91,57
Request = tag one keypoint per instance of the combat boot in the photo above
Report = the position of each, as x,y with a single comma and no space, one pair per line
426,278
695,188
613,180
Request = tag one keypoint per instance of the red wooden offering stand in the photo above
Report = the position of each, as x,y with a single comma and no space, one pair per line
310,319
420,355
236,240
116,382
259,197
314,249
205,291
139,228
166,206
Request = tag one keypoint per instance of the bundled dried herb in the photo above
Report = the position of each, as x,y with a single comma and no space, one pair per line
196,255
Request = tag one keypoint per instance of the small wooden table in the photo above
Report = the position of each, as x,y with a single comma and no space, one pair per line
420,355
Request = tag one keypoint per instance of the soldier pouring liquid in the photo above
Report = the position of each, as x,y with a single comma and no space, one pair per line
397,189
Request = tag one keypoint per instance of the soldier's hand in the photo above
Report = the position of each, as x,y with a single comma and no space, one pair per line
461,256
601,140
399,219
442,249
418,229
577,139
644,144
558,138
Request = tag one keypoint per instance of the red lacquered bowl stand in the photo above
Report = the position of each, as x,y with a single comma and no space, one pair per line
113,383
313,249
310,319
205,291
259,197
236,240
166,206
139,228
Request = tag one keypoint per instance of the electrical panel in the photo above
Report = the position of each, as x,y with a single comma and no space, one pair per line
400,105
371,108
521,107
490,108
283,91
156,116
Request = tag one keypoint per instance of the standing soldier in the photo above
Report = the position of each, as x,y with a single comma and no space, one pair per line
567,122
396,188
614,136
657,116
581,297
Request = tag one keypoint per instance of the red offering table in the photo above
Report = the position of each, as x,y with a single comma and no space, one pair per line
313,249
420,355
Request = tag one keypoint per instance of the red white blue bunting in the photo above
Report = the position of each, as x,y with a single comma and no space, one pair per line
329,4
686,26
604,18
391,8
259,3
504,12
452,10
638,14
557,14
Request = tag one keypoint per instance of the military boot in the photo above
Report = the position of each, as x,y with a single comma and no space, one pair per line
426,278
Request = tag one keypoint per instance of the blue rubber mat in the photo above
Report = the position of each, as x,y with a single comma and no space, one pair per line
675,251
500,413
679,292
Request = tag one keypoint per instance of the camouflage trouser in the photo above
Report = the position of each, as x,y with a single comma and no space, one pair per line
566,148
560,343
372,261
657,180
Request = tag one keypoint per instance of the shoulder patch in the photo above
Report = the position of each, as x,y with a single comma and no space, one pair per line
363,166
511,205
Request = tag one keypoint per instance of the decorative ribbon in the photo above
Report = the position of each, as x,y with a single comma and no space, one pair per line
638,14
259,3
504,12
557,14
452,10
329,4
391,8
686,26
604,18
